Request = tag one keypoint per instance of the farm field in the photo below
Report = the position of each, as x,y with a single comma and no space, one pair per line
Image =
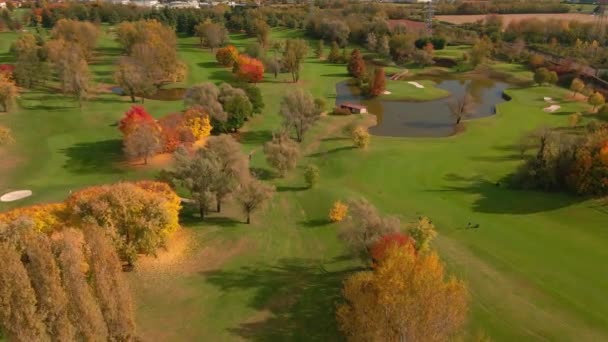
533,268
507,18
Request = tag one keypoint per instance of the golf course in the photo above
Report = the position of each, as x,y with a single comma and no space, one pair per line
533,264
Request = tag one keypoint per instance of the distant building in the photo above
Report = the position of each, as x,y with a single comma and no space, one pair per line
183,4
354,108
2,4
413,1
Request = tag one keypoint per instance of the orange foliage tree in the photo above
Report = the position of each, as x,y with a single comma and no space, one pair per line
227,56
46,218
249,69
135,115
338,212
379,82
406,297
356,64
380,248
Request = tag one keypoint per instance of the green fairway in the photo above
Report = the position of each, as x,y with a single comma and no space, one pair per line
534,268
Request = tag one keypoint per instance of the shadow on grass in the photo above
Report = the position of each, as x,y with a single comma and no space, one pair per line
210,65
94,157
190,216
255,137
499,198
314,223
262,174
296,299
291,188
332,151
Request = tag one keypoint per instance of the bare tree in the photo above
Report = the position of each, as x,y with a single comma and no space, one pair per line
234,167
211,35
282,153
462,108
252,195
206,95
299,111
143,142
131,76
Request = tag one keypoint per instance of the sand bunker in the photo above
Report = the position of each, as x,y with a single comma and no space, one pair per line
15,195
416,84
386,92
548,100
552,108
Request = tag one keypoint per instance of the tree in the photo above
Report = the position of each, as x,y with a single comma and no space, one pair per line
8,92
227,56
356,64
281,153
233,166
335,30
596,99
401,46
365,226
249,69
143,142
135,116
334,54
481,51
383,47
462,108
198,173
19,318
139,216
422,233
262,32
338,211
360,137
388,241
239,109
109,285
134,79
252,195
553,78
536,61
299,112
577,86
206,95
423,58
197,122
71,68
6,136
542,76
293,56
30,64
320,49
82,33
211,35
406,297
378,85
311,175
371,41
83,309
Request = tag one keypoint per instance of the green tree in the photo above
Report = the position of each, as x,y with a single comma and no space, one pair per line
311,175
542,76
295,52
334,53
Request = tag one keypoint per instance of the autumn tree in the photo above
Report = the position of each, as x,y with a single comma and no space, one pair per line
83,309
299,111
401,47
227,56
249,69
360,137
261,31
143,142
293,56
320,49
199,173
422,233
30,61
206,95
365,226
134,79
19,317
139,216
252,195
334,54
135,116
71,68
197,122
378,84
536,61
596,99
6,136
406,297
211,35
82,33
462,108
8,92
389,241
481,51
577,86
109,285
281,153
356,64
338,211
233,166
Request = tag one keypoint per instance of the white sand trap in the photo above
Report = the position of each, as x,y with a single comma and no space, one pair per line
552,108
15,195
386,92
416,84
548,99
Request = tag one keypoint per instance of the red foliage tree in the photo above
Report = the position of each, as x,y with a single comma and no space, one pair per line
173,132
356,65
7,70
135,115
227,56
380,248
250,69
379,83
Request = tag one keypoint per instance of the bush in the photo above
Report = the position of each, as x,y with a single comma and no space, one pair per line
361,137
438,43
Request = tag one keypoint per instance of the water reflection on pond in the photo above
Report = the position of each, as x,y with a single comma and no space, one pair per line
429,118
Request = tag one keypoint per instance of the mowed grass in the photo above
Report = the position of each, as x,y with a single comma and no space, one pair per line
535,267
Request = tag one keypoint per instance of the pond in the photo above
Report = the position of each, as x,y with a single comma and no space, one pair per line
171,94
430,118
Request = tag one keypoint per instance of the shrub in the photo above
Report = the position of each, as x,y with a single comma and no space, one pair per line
46,218
361,137
338,212
311,175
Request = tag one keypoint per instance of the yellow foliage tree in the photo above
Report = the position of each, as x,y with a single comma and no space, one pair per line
46,218
406,297
338,211
198,122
